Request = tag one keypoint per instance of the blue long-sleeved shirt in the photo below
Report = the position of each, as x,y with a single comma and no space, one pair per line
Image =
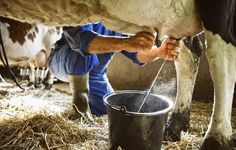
70,57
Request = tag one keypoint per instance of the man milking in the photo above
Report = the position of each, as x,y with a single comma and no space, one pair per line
82,55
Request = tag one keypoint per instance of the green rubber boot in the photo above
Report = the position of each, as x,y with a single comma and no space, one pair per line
80,89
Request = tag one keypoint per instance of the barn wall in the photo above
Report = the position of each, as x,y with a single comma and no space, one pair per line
123,74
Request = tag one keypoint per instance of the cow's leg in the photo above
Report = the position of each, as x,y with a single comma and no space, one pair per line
38,81
186,70
40,76
31,75
49,79
80,89
222,63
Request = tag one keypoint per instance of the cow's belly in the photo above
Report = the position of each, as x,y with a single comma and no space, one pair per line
19,52
13,62
175,18
16,50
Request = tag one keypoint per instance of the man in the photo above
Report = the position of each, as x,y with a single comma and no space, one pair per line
83,53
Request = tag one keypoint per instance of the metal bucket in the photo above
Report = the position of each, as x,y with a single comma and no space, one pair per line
130,130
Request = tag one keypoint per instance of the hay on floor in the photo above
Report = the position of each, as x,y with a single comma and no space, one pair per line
37,119
52,132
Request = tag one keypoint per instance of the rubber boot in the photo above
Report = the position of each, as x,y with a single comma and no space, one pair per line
80,89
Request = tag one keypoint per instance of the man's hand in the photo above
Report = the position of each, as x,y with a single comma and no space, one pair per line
142,41
170,48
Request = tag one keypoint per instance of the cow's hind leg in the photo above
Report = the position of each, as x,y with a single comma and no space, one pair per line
80,89
186,71
222,63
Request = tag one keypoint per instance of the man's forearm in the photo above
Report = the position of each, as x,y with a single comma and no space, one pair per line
142,41
100,44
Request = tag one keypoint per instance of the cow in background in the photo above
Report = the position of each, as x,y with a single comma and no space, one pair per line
29,45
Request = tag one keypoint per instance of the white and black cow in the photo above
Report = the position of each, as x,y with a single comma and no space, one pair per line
220,27
28,46
219,19
176,18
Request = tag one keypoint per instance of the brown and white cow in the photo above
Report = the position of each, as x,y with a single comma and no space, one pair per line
176,18
29,45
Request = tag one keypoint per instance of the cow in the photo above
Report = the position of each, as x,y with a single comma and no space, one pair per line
28,46
178,19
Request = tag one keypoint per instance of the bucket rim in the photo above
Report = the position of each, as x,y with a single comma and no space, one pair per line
164,111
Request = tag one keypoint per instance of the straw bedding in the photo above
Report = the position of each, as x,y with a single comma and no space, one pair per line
50,129
52,132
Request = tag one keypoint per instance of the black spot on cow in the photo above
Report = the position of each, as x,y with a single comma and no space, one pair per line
34,34
36,29
17,30
31,37
196,44
219,16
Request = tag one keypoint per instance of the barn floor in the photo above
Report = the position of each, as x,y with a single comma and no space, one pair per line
41,119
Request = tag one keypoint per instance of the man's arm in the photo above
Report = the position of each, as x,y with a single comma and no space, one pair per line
168,49
142,41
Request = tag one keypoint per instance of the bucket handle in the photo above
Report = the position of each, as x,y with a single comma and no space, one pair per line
123,109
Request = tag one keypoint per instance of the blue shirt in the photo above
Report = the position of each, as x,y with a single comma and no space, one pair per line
70,57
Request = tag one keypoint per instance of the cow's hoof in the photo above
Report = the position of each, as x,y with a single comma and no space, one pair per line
177,123
212,144
172,135
30,85
48,87
38,85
